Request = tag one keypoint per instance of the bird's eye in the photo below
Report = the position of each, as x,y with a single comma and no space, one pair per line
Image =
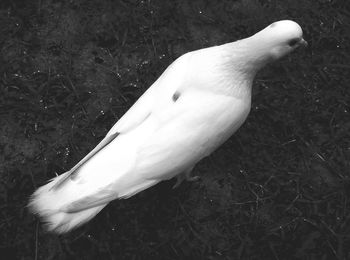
293,42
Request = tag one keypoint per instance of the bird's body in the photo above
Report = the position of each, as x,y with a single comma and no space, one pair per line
194,106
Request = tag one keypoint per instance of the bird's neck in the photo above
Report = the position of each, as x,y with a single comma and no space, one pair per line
240,61
249,55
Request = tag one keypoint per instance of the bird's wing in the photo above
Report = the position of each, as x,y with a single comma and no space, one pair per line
185,133
133,117
142,108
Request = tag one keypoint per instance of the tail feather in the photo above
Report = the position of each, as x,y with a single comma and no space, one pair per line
66,208
47,204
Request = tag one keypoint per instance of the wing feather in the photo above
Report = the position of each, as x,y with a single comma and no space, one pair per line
168,142
137,114
72,172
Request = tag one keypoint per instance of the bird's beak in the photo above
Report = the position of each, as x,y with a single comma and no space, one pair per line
303,43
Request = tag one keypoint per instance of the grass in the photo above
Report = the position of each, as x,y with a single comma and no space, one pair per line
278,189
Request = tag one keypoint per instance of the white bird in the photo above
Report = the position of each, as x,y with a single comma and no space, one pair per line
199,101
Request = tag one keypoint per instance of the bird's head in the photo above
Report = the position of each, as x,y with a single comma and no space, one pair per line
279,39
272,43
235,64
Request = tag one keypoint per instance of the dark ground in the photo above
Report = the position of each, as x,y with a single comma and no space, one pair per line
278,189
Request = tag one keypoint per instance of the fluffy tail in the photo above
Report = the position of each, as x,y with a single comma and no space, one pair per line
47,204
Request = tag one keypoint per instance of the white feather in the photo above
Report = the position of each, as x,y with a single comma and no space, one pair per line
194,106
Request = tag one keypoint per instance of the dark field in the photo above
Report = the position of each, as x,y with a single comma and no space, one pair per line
278,189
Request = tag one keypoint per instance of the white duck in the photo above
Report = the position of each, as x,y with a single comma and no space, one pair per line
200,100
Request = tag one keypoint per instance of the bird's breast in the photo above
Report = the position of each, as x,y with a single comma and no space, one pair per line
226,122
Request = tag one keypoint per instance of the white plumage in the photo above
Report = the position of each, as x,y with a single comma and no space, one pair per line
196,104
